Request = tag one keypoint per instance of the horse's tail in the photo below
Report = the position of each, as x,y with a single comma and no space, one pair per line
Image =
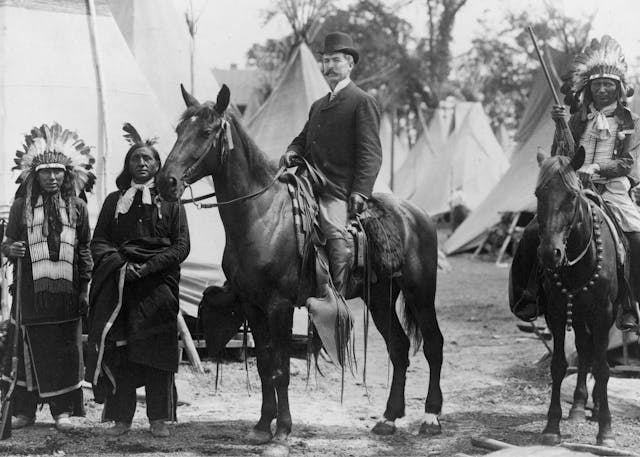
409,321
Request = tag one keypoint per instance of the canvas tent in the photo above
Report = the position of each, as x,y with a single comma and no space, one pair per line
470,162
421,157
514,192
50,74
283,115
156,33
391,145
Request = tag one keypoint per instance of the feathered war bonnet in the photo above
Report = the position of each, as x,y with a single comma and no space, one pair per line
600,59
55,147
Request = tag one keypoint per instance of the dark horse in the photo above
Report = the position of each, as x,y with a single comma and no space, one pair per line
262,262
578,254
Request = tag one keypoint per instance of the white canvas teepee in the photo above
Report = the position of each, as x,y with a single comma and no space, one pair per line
50,74
469,161
157,35
391,145
421,158
514,192
283,115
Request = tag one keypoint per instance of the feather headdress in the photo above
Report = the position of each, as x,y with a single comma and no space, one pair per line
55,147
601,59
133,137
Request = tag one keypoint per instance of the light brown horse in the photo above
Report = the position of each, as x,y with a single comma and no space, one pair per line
262,263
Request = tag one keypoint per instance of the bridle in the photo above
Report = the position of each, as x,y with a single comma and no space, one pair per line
553,275
568,228
225,140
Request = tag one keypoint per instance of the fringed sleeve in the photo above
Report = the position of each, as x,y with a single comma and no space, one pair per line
83,233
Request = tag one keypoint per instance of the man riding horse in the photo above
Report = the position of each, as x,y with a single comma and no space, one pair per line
609,132
341,139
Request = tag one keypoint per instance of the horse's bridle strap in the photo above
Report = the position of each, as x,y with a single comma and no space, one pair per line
281,170
571,263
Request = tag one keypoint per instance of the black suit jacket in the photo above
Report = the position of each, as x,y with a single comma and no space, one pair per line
341,138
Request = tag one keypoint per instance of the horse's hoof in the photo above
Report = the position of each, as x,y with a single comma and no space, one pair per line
384,427
577,414
608,441
279,449
258,436
430,429
550,439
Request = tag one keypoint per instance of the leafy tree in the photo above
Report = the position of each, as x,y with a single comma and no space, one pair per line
499,68
435,49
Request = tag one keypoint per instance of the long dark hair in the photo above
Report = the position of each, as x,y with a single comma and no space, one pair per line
123,181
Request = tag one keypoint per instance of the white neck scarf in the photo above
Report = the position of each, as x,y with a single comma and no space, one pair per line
126,200
600,125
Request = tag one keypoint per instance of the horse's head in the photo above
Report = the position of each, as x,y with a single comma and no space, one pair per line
557,191
200,147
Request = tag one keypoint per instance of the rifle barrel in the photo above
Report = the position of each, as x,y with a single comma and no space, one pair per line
544,66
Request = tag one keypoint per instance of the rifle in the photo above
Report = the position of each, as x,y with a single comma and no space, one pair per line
6,408
564,137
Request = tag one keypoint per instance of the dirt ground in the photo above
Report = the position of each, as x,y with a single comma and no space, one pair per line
491,383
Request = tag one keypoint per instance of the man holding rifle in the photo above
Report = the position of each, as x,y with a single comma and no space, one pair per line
600,122
48,229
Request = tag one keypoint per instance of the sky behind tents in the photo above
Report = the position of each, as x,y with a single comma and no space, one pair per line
228,28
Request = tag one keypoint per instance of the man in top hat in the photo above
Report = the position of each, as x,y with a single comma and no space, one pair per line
341,139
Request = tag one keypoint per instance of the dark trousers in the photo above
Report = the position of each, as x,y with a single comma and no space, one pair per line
523,267
161,394
634,263
26,403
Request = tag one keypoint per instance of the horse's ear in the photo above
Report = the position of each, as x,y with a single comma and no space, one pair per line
223,99
578,159
189,99
541,156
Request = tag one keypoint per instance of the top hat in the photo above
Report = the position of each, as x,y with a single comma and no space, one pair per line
340,42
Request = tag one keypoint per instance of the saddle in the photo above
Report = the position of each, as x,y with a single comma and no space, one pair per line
625,297
329,311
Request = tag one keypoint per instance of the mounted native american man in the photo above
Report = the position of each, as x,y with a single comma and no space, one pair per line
596,91
49,230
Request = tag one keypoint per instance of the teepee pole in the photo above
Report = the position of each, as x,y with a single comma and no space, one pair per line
103,137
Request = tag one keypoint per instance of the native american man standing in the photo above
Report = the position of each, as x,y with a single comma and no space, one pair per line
137,246
48,229
610,134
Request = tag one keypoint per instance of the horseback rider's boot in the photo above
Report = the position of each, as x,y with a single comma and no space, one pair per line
328,310
629,316
524,281
340,253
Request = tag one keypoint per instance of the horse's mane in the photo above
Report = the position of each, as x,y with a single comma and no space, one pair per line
558,165
207,112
